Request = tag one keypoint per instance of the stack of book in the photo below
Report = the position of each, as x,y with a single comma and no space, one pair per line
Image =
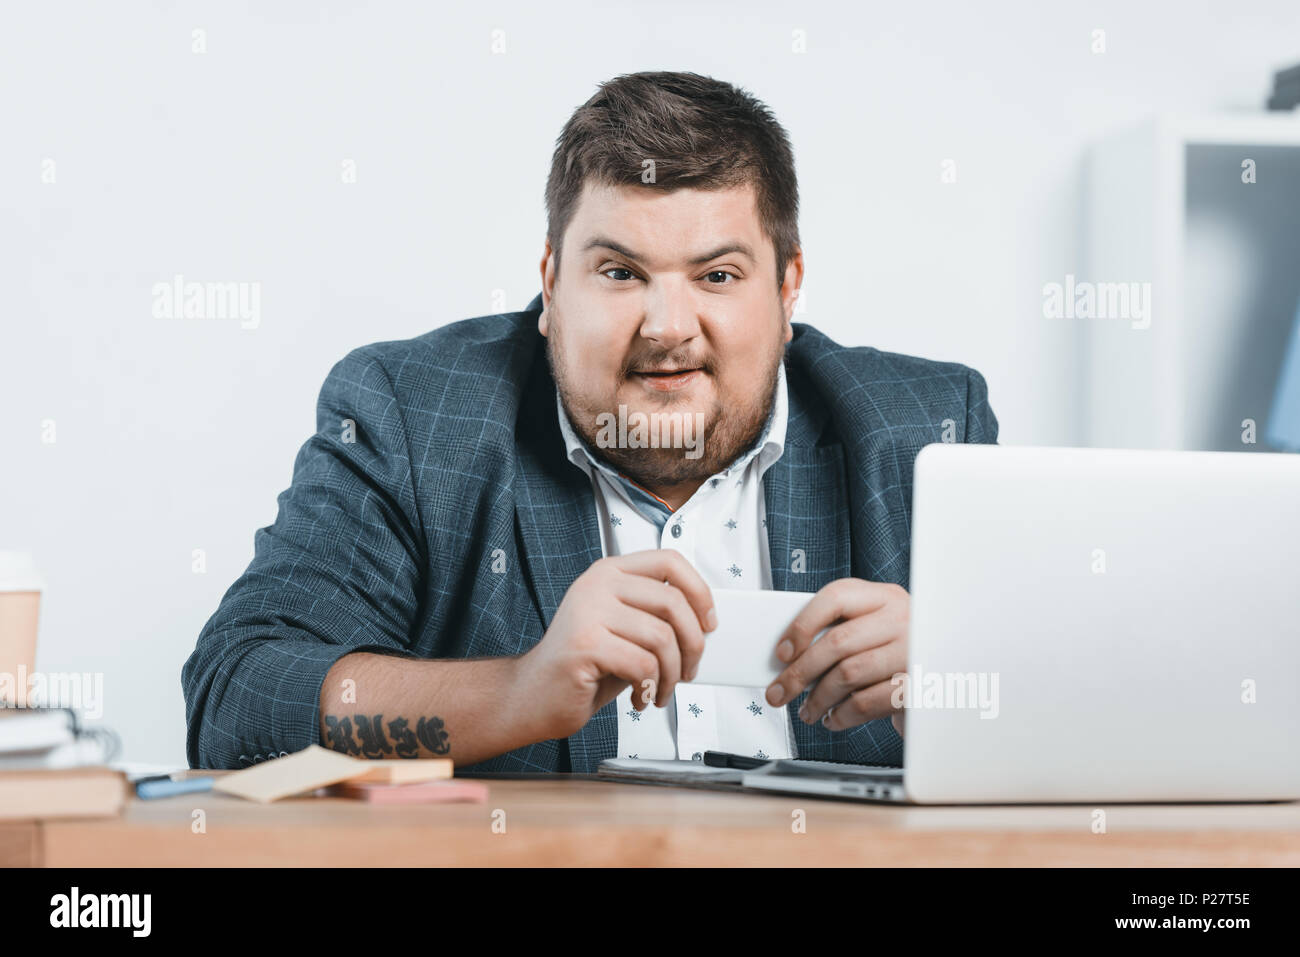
52,767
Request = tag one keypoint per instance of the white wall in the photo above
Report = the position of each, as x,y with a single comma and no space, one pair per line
177,435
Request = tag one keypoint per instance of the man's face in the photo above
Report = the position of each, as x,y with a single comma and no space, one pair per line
669,304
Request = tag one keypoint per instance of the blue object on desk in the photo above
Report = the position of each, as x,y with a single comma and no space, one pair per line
163,786
1283,431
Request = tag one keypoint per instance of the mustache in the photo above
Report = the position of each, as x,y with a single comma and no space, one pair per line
675,360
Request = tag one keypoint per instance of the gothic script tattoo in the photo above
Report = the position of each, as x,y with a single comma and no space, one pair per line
370,741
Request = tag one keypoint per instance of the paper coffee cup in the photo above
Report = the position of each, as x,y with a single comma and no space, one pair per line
20,600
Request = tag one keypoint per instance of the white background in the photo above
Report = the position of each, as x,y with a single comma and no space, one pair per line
225,166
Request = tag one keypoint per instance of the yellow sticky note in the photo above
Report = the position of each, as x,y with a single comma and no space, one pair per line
405,771
311,768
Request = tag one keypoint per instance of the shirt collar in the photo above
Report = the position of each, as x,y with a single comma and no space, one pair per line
768,448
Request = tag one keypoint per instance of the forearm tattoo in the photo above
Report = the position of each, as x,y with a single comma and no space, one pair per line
371,742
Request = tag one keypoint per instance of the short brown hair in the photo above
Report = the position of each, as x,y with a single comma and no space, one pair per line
700,132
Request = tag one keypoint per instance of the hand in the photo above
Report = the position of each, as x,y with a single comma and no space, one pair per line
856,659
634,619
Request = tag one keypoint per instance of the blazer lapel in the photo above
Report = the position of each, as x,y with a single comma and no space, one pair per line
808,537
556,512
807,504
557,522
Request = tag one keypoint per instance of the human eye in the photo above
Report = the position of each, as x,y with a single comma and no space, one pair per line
723,281
619,269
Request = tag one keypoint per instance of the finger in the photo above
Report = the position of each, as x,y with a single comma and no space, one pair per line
852,674
841,600
629,663
656,636
666,601
848,638
865,704
664,564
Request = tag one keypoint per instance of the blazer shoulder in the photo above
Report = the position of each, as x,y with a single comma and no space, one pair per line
867,365
472,367
465,378
467,345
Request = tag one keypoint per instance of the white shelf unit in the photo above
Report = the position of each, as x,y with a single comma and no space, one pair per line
1166,204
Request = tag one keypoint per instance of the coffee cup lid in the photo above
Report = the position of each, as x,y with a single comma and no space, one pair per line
18,573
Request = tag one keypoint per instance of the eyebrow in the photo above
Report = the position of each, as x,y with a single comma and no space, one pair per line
603,242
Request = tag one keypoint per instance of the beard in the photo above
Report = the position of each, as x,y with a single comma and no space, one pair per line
729,431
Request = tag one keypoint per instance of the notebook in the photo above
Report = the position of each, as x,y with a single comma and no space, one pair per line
691,774
34,730
51,739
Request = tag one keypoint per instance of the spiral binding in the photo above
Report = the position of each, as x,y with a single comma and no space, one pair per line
109,741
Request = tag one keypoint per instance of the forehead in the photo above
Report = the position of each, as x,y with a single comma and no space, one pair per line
665,226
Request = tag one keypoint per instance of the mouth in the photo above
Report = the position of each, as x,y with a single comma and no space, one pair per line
666,380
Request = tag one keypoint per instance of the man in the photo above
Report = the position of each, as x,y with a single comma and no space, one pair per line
486,554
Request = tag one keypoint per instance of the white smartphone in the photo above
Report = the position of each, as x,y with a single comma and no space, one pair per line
741,651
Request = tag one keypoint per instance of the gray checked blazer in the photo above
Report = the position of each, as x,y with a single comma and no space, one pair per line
388,536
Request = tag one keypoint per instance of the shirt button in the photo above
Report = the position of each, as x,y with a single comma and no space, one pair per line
677,531
697,756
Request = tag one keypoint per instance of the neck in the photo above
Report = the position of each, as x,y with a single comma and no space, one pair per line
677,494
672,494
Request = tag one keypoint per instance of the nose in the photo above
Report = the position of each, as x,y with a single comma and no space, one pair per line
670,317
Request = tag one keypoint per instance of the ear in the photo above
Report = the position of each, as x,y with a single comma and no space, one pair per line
791,287
547,266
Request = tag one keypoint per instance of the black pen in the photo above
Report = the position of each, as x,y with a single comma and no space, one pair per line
721,759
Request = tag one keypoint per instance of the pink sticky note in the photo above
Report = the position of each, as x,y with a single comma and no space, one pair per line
425,792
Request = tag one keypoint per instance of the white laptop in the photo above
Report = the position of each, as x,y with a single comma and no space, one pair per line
1094,625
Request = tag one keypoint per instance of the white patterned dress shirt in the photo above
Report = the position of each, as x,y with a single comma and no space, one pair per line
722,532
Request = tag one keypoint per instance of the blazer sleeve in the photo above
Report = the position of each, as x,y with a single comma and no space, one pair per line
339,571
981,423
876,742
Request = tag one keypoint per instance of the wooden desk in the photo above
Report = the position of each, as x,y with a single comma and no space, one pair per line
560,820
